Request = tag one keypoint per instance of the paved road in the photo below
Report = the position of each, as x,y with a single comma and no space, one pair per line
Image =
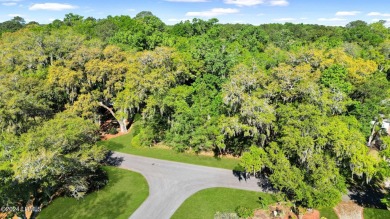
171,183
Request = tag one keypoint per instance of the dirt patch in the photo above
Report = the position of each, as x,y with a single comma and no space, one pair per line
261,214
211,154
106,136
282,211
162,146
108,125
267,214
314,214
349,210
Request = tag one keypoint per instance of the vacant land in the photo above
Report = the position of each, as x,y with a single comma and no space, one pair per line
123,194
123,144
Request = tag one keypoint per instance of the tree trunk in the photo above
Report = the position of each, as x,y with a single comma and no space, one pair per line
122,125
51,59
122,121
371,136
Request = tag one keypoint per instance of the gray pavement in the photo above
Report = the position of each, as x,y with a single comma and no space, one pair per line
171,183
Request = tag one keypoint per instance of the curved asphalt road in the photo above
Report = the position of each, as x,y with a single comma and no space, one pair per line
171,183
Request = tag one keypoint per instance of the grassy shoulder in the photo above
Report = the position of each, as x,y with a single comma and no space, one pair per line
123,194
373,213
328,213
123,144
205,203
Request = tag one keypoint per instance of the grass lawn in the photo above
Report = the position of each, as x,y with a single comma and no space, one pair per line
328,213
123,194
205,203
373,213
369,213
123,144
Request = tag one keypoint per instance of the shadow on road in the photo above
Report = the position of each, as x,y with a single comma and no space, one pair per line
263,181
240,175
265,184
112,161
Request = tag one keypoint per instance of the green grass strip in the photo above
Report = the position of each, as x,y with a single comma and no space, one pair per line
123,194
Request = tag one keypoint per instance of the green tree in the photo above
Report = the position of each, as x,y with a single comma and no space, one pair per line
12,25
254,160
60,157
335,77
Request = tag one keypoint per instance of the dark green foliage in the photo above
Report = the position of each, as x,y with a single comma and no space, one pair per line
194,123
12,25
195,28
113,131
386,200
335,77
372,98
265,200
359,31
144,32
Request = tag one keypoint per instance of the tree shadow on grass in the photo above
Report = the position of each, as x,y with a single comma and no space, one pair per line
111,160
112,145
114,201
367,195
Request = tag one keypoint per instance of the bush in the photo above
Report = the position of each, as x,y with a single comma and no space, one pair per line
238,167
136,141
244,212
386,200
144,137
112,131
280,197
302,210
266,199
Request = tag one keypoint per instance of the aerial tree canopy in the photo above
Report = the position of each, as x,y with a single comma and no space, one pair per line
304,105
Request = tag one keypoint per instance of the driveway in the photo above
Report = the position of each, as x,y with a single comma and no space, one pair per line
171,183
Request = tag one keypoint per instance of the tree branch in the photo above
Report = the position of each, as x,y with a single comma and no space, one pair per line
109,109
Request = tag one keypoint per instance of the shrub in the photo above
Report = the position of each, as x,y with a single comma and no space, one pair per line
244,212
266,199
112,131
280,197
302,210
386,201
136,141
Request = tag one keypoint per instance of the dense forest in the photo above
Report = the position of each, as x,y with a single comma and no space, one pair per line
304,104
